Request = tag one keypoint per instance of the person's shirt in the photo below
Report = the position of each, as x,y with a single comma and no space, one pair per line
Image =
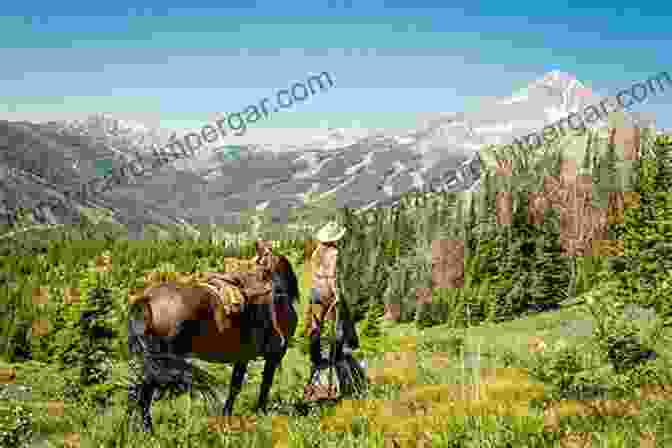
323,263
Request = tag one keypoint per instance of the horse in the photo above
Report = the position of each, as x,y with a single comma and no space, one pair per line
195,334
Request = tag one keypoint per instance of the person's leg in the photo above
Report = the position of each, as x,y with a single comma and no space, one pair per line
315,349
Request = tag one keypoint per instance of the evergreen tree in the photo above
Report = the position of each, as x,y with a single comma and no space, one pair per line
523,263
663,152
470,227
647,232
587,157
607,180
372,328
552,269
372,332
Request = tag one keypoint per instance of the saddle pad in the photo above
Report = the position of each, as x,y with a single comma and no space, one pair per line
239,264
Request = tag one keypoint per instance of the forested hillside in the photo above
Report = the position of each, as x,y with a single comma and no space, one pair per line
536,238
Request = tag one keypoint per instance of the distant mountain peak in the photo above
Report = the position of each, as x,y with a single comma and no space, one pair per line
558,75
120,135
363,167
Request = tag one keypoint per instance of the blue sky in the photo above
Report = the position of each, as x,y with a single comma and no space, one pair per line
389,61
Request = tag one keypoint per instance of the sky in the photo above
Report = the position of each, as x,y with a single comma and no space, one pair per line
176,67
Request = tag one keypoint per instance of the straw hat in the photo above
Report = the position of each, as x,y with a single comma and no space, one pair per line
331,232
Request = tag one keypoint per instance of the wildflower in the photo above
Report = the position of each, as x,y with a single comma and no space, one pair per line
40,327
537,345
71,295
630,200
55,408
40,296
103,262
71,440
647,439
7,375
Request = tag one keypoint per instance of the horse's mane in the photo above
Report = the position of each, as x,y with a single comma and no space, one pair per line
284,266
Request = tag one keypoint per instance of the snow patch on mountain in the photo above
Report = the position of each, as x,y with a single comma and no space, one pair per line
366,167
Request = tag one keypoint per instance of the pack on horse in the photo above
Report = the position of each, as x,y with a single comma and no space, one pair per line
180,322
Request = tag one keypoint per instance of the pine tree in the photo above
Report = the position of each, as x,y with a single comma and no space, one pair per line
552,269
371,329
663,152
587,157
647,232
606,180
470,227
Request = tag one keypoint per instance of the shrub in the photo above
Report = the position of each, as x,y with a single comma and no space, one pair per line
371,332
15,424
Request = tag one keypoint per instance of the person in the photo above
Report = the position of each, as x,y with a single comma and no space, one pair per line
323,292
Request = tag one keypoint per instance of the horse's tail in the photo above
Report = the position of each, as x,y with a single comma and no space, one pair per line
137,329
148,316
158,364
141,337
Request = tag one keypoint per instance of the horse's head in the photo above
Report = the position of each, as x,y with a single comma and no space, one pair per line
276,267
266,259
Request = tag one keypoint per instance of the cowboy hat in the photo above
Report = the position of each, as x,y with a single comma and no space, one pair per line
330,232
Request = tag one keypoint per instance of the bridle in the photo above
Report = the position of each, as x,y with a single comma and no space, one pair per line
266,261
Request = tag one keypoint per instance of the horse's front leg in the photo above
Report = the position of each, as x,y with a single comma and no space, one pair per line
239,370
271,363
146,396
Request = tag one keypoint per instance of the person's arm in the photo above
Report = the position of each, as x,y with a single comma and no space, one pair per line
315,263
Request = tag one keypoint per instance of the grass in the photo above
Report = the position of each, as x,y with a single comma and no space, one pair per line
423,393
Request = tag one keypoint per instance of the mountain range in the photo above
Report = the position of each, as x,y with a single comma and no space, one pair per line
40,162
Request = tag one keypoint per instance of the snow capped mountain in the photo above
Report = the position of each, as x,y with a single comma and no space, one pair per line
362,167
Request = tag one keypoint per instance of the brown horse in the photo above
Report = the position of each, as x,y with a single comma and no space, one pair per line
175,323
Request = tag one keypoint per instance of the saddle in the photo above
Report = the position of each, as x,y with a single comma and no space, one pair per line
233,291
230,293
